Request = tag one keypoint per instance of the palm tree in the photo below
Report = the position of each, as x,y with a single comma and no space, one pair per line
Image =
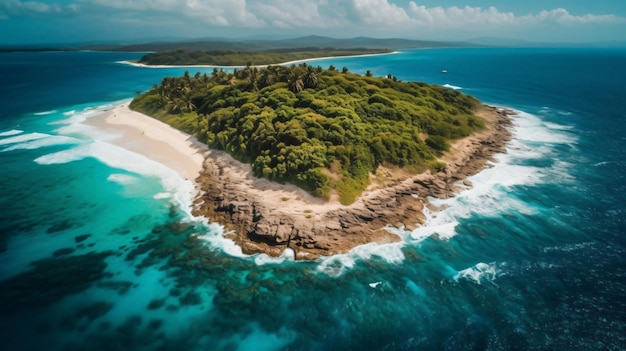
267,78
252,75
296,84
310,78
282,73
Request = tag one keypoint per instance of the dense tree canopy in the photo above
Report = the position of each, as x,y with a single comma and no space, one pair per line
322,130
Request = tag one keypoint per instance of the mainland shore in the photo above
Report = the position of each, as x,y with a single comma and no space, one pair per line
266,217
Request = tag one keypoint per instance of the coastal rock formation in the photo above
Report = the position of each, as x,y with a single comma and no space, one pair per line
262,216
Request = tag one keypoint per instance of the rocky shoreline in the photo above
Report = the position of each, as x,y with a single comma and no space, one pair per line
264,217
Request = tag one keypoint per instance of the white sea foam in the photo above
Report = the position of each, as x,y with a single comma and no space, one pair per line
42,142
45,113
23,138
450,86
489,196
123,179
557,126
81,113
11,132
65,156
336,265
183,191
215,237
489,193
84,131
76,118
96,145
532,129
263,259
478,273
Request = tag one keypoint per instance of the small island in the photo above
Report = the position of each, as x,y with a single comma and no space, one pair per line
184,57
321,160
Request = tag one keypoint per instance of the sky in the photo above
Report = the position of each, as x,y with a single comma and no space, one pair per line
26,22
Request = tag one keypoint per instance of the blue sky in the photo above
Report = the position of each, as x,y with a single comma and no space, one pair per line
69,21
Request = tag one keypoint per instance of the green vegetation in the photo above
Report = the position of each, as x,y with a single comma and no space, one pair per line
238,58
321,130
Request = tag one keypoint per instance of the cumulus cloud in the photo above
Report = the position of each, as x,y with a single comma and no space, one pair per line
17,8
213,12
563,16
310,14
460,17
380,12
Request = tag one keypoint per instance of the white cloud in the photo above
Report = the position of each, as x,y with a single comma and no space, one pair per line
380,12
16,8
212,12
459,17
336,14
563,16
366,16
455,17
298,13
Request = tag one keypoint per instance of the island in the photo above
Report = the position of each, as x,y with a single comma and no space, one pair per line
323,160
184,57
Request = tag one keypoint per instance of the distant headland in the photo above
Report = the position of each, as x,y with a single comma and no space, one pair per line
183,57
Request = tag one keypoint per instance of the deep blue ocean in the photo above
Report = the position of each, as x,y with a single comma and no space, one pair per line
98,251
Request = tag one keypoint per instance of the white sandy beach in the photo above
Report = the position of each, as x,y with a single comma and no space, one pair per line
153,139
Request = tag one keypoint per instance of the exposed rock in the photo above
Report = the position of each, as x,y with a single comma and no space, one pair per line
261,227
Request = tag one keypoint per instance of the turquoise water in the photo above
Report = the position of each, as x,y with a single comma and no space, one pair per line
97,250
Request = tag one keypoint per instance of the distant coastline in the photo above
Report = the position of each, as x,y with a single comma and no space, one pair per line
142,65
